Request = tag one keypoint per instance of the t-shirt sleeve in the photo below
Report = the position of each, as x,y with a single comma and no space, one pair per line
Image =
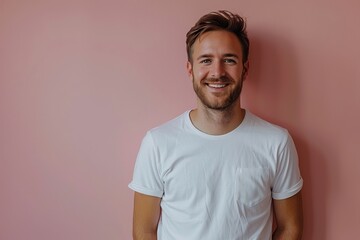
147,170
287,180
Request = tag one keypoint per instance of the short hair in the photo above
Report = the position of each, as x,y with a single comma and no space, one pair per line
220,20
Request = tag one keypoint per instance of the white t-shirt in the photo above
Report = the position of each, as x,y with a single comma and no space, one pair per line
217,187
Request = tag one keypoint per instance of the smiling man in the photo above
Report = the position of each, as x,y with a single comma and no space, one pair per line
217,172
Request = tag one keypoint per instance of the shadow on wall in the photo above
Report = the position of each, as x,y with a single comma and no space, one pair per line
272,87
272,92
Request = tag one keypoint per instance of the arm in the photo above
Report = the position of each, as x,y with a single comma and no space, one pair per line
146,217
289,218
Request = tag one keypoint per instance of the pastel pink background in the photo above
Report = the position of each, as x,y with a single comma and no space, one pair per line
82,81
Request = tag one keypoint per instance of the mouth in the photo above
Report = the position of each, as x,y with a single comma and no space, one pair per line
217,85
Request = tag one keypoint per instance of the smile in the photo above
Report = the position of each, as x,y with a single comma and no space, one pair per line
213,85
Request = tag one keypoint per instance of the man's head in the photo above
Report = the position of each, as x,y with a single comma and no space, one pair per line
218,59
221,20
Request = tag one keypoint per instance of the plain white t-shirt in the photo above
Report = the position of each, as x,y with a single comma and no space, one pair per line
217,187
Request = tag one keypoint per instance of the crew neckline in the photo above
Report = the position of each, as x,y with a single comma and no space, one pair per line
203,134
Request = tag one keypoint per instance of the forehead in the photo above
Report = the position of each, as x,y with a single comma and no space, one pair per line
217,42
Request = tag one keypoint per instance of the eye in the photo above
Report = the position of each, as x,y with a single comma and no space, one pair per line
230,61
206,61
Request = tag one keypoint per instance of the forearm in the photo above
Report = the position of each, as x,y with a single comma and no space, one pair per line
287,234
146,217
144,232
289,218
144,236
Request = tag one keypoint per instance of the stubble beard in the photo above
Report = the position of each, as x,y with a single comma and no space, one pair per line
219,106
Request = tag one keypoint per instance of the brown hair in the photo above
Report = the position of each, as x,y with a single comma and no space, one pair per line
221,20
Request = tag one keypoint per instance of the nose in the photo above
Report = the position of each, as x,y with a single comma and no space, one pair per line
217,69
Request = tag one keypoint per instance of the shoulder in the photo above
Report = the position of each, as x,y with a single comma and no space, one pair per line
262,129
261,125
170,129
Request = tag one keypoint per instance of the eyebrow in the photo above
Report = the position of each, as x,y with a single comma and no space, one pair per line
210,55
204,56
231,55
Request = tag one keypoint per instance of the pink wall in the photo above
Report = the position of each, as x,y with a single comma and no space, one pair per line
81,82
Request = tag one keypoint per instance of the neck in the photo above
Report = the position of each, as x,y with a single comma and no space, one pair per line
217,122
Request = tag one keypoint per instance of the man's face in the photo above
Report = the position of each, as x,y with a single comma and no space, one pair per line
217,70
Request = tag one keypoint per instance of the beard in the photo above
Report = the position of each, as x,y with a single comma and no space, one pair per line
218,105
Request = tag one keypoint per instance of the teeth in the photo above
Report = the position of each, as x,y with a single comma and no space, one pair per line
216,85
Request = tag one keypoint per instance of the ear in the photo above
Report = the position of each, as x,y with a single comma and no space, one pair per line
246,66
189,69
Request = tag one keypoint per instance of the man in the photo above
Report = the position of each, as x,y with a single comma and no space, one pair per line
217,172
